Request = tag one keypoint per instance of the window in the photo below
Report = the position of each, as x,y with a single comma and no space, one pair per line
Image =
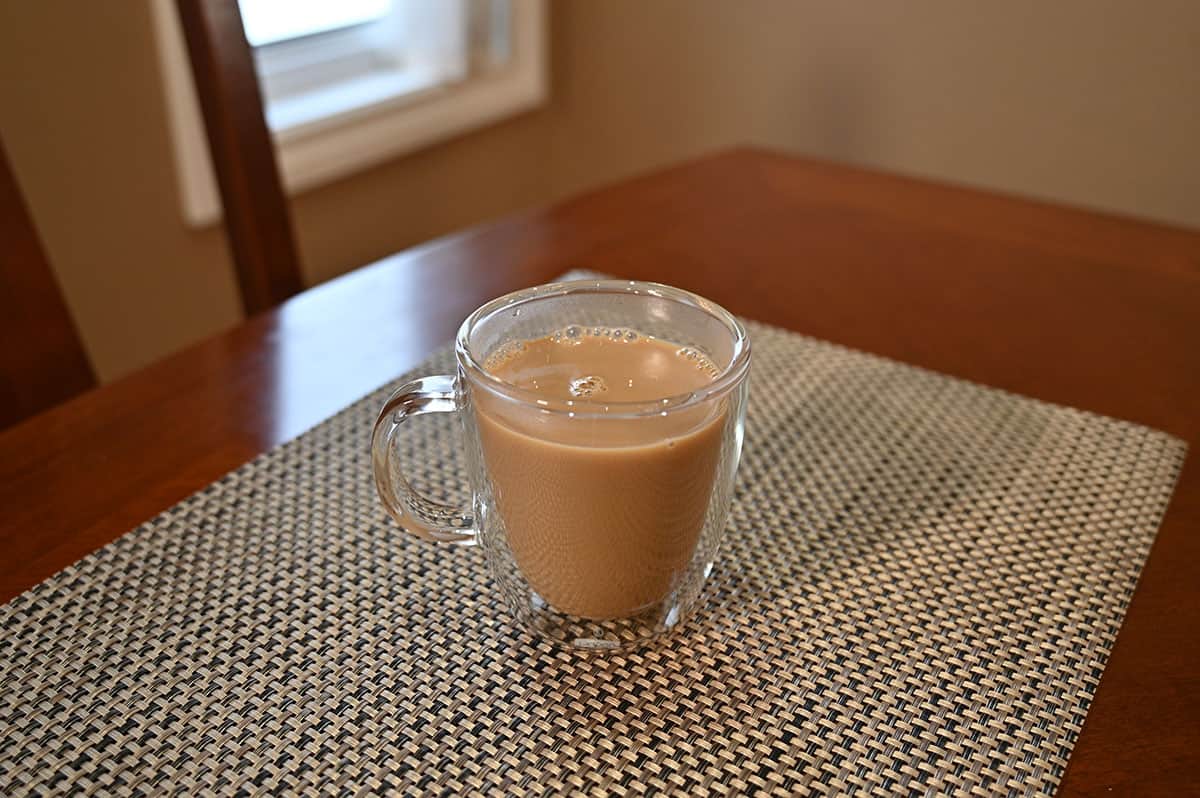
348,84
270,21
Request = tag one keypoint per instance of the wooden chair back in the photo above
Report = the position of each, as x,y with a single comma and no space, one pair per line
257,220
42,361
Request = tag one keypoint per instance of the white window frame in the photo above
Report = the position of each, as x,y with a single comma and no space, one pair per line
315,148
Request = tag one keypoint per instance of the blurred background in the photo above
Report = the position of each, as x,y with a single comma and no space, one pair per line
422,117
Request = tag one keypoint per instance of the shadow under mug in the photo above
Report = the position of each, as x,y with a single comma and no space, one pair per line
600,522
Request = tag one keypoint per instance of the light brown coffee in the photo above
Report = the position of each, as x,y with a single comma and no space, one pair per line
602,511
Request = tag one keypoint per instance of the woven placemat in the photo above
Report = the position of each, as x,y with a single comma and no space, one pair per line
921,583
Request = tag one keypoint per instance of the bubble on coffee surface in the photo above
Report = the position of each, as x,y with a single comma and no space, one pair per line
586,387
502,353
567,335
700,360
575,334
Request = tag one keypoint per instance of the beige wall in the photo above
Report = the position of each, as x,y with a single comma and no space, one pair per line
1082,101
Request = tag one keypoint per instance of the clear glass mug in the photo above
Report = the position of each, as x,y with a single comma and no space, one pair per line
600,522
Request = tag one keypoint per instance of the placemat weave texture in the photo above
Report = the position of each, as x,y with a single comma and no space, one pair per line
920,585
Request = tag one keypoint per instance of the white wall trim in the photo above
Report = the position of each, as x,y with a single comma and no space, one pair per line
311,155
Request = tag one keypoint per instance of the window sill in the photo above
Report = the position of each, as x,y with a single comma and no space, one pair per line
330,134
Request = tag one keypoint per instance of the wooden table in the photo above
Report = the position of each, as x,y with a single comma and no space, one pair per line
1093,311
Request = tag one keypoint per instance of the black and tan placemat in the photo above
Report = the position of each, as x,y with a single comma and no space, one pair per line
921,582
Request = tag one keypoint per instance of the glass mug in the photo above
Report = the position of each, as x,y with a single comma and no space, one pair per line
600,521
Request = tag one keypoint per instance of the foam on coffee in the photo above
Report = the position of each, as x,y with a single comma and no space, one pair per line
602,513
637,367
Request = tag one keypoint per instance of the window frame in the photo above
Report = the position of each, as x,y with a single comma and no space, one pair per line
321,149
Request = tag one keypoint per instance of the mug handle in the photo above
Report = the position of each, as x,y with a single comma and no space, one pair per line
417,515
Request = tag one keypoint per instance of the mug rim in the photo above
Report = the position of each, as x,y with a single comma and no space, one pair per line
730,376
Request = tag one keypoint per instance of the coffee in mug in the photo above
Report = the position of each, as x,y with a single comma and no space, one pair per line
600,522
